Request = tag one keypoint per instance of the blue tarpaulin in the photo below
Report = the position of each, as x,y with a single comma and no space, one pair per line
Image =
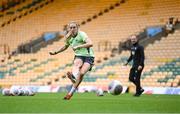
49,36
152,31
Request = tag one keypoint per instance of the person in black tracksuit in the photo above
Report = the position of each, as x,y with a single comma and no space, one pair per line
137,56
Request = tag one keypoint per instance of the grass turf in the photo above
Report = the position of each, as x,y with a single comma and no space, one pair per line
90,103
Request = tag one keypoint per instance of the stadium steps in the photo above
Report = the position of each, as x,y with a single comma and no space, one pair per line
170,67
119,23
22,10
51,72
163,73
40,19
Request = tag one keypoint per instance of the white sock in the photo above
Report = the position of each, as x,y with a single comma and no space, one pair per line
73,89
75,73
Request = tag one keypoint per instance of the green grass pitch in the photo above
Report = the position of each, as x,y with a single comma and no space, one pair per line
90,103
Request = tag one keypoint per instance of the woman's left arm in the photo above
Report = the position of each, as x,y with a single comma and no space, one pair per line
88,43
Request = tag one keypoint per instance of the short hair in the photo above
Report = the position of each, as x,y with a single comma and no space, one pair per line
132,36
74,22
135,36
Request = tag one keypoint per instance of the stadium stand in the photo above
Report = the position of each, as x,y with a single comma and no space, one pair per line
162,57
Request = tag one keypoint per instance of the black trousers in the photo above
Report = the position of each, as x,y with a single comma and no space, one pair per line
135,76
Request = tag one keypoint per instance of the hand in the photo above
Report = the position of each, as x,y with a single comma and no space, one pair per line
139,67
75,47
69,34
52,53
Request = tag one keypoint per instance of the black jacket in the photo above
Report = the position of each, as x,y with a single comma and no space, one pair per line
137,55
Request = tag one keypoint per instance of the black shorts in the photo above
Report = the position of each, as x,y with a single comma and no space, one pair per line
85,59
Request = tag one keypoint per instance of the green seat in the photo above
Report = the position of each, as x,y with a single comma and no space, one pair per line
2,74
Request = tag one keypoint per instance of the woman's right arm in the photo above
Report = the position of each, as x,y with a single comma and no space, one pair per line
67,36
60,50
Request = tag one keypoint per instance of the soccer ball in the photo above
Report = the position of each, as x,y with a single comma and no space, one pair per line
6,92
14,91
100,92
31,93
18,91
26,92
115,87
21,92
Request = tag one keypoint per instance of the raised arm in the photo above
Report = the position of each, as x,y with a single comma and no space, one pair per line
88,43
60,50
64,47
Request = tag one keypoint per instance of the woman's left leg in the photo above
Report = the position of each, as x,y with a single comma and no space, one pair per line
83,70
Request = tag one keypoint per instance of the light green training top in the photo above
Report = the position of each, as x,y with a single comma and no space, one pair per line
79,40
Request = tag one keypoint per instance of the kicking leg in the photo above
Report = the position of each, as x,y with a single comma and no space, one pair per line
75,70
73,76
84,69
